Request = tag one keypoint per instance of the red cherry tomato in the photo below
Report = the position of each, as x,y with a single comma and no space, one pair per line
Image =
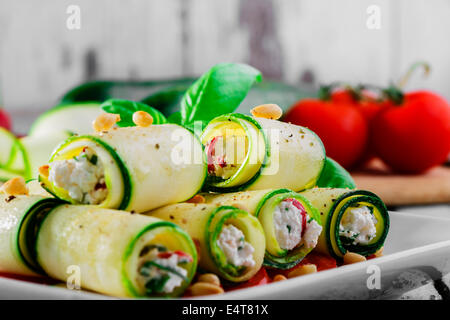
338,123
414,135
5,120
367,103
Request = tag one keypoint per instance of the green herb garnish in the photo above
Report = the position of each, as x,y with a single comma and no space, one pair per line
218,91
126,108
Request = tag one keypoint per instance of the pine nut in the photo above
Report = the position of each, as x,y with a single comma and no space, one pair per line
302,270
279,277
43,170
197,199
105,121
203,289
142,119
268,111
209,278
15,186
351,257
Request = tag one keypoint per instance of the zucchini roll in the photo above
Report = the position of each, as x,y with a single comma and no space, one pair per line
353,220
245,153
17,221
117,253
291,224
133,168
231,241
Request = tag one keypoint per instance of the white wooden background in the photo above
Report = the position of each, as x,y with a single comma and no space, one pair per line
304,42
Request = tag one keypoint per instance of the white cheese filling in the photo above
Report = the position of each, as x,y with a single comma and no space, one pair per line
287,220
82,177
358,225
173,279
312,233
237,251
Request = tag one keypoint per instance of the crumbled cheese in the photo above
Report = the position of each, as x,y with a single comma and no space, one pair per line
153,272
287,221
358,224
312,233
237,251
80,178
174,279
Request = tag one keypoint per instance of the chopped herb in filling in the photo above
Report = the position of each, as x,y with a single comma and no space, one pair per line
358,226
293,226
82,177
237,251
160,270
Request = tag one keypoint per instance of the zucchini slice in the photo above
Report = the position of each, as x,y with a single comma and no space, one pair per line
263,204
18,218
336,207
205,224
110,248
13,157
73,118
276,154
143,168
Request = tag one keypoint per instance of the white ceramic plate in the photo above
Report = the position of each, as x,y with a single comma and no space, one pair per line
417,248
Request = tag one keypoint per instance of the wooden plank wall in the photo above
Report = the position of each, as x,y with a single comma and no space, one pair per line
304,42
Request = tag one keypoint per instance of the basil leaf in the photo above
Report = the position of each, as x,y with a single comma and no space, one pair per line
126,108
335,176
218,91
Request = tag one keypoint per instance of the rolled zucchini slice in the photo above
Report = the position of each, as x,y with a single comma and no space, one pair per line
353,220
18,217
134,168
116,252
291,224
231,241
246,153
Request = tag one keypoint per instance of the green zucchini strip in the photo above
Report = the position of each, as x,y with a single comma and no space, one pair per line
19,216
144,168
110,249
262,204
278,155
335,207
205,224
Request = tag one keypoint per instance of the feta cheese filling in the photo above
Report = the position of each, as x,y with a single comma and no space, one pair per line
159,271
358,225
312,233
82,177
293,226
237,251
226,155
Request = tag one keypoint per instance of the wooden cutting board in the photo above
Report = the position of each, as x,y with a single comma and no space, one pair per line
397,189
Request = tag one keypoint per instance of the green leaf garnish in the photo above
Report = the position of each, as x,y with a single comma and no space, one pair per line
126,108
218,91
335,176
